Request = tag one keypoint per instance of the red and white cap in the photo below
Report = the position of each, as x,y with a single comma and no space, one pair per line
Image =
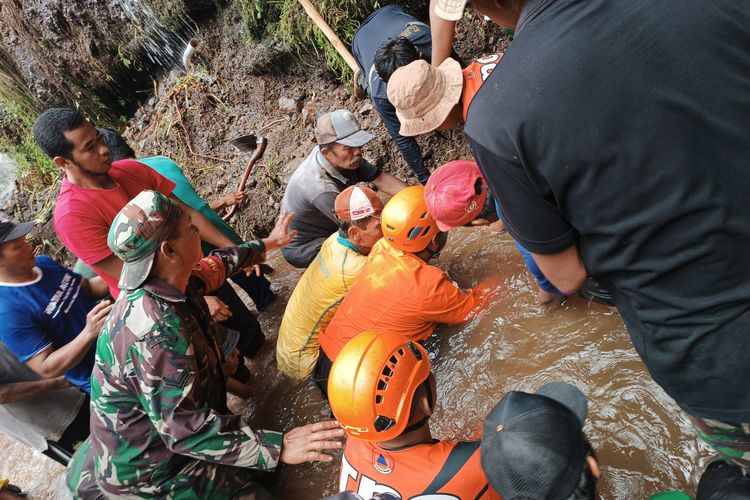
452,196
357,202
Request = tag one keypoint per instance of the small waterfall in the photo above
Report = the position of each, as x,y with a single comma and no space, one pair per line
162,45
8,169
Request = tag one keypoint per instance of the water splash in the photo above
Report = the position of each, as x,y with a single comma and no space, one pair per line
162,45
8,169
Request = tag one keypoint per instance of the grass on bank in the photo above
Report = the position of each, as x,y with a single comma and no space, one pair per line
287,21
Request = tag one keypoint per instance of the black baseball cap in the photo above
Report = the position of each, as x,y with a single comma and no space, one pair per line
533,446
10,230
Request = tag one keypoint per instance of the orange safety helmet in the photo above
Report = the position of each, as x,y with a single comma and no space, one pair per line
406,222
372,383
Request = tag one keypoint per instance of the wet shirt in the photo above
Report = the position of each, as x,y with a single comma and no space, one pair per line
48,311
83,215
391,22
311,194
622,127
313,303
397,292
474,76
158,399
442,468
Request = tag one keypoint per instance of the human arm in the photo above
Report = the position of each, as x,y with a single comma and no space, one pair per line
50,362
389,184
443,33
221,263
227,201
218,310
406,145
15,392
167,378
209,233
532,215
445,302
96,287
564,269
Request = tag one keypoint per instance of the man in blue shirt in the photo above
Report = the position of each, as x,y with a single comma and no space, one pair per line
49,317
379,48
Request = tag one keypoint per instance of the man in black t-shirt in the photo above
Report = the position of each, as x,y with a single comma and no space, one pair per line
615,137
390,35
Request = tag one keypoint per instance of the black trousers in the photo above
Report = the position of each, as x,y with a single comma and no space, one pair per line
242,320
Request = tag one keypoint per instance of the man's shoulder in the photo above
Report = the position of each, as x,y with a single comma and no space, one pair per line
145,317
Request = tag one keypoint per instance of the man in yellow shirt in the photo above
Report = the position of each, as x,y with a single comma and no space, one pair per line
329,277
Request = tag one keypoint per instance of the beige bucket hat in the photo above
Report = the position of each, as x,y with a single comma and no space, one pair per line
424,95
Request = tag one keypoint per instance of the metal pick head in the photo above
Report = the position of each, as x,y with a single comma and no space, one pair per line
246,142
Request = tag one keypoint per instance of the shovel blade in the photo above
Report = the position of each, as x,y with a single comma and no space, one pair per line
245,142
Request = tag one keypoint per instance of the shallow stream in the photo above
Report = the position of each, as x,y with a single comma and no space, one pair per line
644,444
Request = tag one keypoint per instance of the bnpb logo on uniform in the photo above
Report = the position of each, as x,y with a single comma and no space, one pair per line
382,462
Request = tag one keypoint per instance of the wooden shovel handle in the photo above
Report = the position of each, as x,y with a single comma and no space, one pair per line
328,32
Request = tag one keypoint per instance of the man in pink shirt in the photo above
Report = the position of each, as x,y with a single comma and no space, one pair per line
94,190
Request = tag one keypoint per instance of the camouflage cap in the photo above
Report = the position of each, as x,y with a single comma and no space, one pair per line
136,232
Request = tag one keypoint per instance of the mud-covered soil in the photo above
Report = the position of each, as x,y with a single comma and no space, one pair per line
234,88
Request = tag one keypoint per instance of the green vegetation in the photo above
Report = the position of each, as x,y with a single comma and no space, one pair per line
18,111
286,20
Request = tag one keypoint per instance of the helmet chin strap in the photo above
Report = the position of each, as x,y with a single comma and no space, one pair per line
418,424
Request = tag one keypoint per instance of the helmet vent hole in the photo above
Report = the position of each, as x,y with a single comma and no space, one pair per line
391,228
423,216
415,351
400,352
393,359
378,400
382,385
383,423
426,230
387,371
415,232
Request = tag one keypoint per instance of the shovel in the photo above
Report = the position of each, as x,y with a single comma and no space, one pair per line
247,143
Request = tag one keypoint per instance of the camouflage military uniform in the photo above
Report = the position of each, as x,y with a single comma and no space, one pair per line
159,422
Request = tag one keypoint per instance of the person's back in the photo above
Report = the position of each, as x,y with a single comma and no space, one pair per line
399,292
422,469
645,168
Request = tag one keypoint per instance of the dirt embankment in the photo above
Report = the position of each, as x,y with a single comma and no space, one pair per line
237,88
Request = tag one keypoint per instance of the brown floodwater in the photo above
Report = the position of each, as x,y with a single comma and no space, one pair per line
644,444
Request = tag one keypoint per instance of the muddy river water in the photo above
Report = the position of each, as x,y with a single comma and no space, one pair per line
645,445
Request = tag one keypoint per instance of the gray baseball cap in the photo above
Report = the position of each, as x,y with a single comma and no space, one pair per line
341,126
10,230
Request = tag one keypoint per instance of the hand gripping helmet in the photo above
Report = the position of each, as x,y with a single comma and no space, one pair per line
407,224
372,383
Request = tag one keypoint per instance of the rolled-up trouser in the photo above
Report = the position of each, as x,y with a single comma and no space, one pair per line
730,440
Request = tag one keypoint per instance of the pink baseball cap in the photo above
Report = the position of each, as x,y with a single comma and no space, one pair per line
451,194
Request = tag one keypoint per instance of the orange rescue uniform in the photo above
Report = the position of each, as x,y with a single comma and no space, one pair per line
418,471
474,76
400,293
